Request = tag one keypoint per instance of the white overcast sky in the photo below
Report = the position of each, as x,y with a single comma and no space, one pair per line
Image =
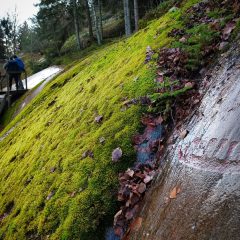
25,8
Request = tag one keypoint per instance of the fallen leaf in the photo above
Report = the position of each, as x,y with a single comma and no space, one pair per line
73,194
116,217
118,231
189,84
116,154
178,190
159,79
173,193
142,188
228,29
102,140
129,214
50,195
223,45
148,179
98,119
136,224
87,153
130,172
183,40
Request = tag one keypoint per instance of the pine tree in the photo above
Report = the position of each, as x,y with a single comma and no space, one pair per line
2,46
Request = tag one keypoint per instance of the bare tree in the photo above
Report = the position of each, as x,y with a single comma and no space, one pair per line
127,19
136,14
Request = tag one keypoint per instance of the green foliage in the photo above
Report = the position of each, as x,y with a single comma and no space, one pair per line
37,66
200,36
58,127
156,13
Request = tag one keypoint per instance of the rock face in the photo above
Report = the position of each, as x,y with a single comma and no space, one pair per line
205,166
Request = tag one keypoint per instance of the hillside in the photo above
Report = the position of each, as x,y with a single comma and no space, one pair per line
57,177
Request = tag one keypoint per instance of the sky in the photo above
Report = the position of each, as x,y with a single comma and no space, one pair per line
25,9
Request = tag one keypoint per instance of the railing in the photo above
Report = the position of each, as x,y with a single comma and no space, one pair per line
4,80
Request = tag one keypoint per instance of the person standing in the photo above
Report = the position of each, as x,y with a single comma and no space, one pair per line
21,68
13,71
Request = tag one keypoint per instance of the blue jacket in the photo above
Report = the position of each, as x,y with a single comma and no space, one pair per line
12,66
20,64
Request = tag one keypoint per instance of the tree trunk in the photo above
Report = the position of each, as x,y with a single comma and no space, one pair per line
76,24
100,19
96,23
89,21
127,17
136,14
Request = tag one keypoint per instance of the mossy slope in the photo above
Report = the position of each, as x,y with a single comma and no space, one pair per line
47,190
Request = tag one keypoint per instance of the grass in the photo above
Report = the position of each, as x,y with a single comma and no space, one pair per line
53,192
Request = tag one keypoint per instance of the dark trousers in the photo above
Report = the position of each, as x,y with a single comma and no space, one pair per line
16,78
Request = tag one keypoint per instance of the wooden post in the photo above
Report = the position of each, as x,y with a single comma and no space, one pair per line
8,93
26,79
1,79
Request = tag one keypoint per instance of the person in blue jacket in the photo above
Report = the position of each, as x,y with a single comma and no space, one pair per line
13,71
22,69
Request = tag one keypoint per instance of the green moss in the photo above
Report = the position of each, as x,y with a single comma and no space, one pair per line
200,36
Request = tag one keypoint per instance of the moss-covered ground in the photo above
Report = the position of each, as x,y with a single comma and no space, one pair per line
47,189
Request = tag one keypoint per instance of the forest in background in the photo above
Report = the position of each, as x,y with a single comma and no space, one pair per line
66,26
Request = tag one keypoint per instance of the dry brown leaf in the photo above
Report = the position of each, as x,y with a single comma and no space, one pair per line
116,216
142,187
148,179
136,224
173,193
130,172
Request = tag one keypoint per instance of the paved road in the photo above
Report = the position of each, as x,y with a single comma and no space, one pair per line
37,78
204,168
43,76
